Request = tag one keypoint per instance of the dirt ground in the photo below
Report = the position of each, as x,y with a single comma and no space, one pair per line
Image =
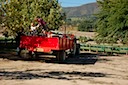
85,69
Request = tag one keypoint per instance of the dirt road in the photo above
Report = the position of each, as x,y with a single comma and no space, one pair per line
85,69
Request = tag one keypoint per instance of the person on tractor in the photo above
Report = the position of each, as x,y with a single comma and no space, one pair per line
41,23
42,26
33,29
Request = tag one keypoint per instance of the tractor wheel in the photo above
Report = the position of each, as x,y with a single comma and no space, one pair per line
61,55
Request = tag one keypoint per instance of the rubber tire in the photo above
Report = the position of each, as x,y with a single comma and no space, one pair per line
61,55
77,49
73,51
24,53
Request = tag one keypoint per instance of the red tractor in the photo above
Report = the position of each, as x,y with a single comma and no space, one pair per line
57,44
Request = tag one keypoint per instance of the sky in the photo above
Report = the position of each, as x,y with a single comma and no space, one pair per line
71,3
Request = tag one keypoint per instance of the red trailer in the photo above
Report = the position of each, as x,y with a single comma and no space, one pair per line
57,44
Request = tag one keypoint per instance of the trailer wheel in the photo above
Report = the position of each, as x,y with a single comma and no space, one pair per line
75,50
61,55
24,53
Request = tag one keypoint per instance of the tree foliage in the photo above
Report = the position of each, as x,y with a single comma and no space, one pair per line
73,21
20,13
1,11
87,25
112,23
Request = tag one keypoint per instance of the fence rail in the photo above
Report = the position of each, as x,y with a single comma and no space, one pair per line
7,43
7,40
105,49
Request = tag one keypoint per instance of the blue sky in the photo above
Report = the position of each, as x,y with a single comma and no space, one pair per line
70,3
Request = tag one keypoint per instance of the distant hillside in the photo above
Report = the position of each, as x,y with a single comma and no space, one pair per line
81,11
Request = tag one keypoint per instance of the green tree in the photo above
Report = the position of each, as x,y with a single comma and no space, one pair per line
87,25
1,11
20,13
112,23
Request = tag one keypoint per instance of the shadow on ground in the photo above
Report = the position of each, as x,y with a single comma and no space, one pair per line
28,75
82,58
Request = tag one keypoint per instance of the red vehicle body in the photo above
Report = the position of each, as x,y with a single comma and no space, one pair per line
45,44
56,44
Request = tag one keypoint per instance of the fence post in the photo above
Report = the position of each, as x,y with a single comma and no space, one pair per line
5,43
96,49
112,50
89,47
119,50
104,48
126,52
12,41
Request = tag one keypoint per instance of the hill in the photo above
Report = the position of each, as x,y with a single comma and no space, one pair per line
81,11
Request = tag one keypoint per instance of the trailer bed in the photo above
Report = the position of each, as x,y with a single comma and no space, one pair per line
45,44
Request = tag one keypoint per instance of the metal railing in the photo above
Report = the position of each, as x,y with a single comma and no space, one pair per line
104,48
7,43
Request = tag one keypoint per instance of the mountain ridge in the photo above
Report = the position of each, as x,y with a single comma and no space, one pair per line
81,11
